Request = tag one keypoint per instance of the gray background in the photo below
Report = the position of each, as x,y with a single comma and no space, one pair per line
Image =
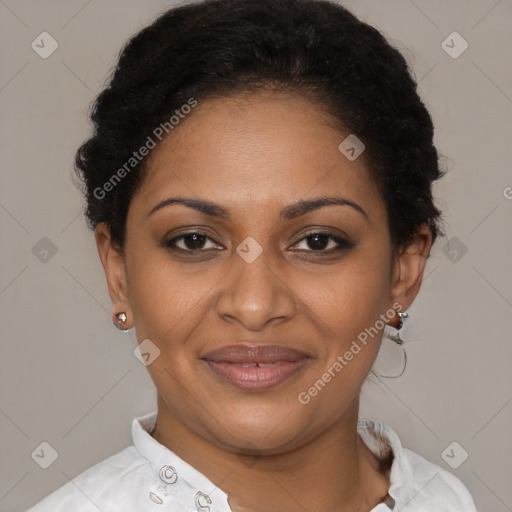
69,378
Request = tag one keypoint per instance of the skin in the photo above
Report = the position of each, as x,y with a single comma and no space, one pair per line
253,156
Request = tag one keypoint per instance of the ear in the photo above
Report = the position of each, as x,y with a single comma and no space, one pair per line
408,268
112,259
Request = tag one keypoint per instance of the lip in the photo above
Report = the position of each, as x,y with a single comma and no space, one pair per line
256,367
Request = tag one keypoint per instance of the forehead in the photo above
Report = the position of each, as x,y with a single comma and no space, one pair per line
258,149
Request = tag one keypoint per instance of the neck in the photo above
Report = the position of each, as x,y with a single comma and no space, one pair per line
335,471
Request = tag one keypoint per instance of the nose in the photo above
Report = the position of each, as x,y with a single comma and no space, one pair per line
254,294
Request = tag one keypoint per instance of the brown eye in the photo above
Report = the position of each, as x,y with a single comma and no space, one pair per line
322,242
191,242
318,241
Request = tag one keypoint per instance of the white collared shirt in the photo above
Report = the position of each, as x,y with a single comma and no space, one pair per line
147,476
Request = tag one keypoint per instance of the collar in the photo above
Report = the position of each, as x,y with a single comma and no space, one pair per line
175,479
384,442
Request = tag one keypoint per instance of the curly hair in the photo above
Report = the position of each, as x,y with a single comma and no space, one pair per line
216,48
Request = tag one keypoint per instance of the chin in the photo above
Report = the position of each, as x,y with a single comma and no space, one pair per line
264,427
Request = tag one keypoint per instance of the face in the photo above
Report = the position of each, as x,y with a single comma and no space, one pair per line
250,257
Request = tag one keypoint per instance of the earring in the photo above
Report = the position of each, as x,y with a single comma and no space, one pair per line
398,324
119,319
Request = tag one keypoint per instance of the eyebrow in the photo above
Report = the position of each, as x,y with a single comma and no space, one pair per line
288,213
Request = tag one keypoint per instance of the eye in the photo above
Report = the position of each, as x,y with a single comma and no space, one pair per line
192,242
322,242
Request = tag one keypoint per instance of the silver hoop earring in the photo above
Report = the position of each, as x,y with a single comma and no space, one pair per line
396,337
396,323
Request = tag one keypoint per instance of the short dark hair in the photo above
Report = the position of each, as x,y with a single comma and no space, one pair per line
224,47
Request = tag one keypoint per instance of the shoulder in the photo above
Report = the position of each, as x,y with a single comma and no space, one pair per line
121,475
416,484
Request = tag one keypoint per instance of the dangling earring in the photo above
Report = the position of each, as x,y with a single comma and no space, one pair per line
398,324
119,319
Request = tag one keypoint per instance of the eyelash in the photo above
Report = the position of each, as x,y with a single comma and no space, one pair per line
343,244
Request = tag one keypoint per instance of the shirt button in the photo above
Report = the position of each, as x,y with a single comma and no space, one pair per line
168,474
154,497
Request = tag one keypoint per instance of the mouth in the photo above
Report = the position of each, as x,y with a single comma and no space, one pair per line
255,367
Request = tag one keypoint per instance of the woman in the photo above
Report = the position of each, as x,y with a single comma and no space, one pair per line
259,182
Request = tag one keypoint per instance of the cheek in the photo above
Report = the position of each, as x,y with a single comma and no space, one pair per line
351,297
165,299
348,311
346,306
